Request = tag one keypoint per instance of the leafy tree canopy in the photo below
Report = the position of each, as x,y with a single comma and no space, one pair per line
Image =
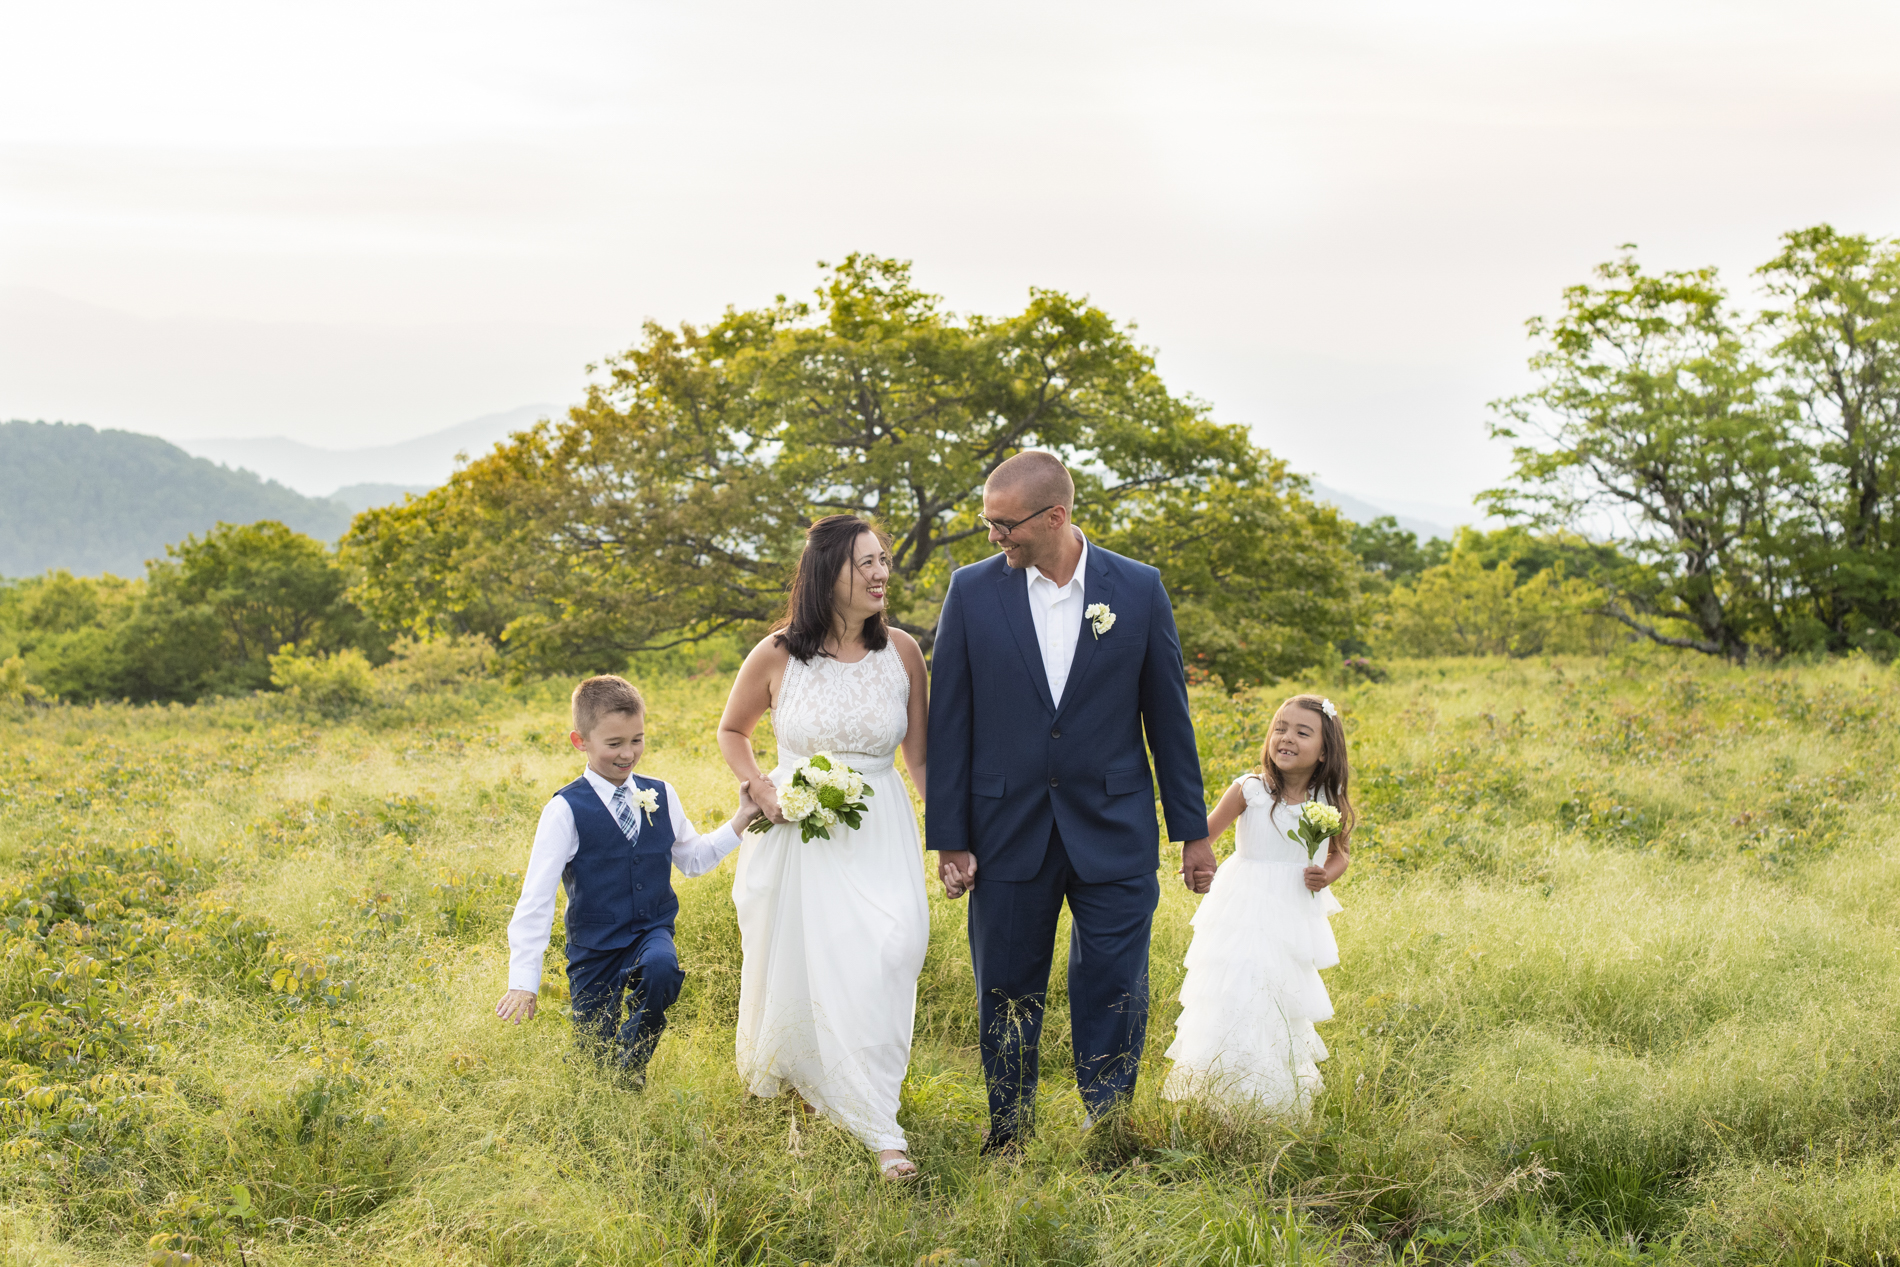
672,501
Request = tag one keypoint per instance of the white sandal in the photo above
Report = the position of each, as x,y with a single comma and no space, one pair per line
893,1171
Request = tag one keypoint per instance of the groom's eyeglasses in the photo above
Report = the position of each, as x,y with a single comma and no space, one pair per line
1007,526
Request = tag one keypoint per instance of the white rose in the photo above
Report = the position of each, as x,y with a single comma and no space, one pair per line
853,786
826,818
797,803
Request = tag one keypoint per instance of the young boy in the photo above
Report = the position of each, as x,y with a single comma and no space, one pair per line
610,838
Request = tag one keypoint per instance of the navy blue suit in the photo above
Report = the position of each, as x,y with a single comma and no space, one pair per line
1057,803
620,912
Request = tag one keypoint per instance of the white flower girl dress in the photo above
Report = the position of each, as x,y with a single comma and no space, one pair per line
1253,993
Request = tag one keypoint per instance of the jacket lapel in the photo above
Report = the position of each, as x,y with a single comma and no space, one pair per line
1097,587
1015,596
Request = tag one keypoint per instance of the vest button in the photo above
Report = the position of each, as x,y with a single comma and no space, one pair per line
1055,734
1052,782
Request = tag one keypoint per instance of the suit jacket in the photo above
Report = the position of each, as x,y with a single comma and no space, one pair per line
1007,764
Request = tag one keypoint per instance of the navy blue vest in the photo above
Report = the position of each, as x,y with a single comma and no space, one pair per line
617,888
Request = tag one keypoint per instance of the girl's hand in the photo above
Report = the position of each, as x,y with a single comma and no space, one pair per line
1318,878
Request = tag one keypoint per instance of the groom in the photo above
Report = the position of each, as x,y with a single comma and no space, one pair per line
1052,661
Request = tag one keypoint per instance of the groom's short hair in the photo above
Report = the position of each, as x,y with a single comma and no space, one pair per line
603,696
1038,476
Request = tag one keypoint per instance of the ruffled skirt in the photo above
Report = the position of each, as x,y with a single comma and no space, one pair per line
1253,992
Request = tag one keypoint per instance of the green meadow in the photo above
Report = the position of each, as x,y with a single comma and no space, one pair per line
1620,983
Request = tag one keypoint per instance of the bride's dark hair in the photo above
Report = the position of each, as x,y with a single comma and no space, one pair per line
829,546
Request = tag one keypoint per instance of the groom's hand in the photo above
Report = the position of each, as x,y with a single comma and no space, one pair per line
957,869
1198,865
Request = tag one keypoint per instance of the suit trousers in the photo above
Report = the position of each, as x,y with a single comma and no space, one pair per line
1012,945
648,974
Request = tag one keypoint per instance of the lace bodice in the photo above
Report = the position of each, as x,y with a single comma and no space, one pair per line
1263,832
860,711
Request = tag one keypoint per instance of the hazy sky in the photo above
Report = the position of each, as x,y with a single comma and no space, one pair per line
356,223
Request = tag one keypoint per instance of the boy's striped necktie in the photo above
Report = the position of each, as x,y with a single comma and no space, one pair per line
623,811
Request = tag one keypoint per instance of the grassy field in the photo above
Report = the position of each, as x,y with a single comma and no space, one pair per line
1620,982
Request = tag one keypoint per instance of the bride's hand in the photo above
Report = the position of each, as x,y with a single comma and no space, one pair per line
765,794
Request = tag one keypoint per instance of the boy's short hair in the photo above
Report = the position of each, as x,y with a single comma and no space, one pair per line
598,697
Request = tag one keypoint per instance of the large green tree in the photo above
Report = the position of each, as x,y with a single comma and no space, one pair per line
1836,322
1656,415
670,503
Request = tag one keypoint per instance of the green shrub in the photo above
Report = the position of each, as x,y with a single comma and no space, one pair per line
333,685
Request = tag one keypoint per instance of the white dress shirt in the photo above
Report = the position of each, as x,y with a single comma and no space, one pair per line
1057,613
556,841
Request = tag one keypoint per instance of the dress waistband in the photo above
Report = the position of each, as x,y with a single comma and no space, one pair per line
857,761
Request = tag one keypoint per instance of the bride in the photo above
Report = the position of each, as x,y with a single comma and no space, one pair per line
833,931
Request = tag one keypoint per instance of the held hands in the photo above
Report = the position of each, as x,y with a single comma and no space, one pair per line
516,1006
1198,865
748,808
764,797
957,869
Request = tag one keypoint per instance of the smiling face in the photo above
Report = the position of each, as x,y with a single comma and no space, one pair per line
615,745
859,590
1295,743
1034,542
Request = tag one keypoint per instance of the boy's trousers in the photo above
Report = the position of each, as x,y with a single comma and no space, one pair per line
648,974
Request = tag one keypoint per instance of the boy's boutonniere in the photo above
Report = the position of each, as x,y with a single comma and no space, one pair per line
1099,617
649,802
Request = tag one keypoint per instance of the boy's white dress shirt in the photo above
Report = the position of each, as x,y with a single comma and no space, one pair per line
556,841
1056,611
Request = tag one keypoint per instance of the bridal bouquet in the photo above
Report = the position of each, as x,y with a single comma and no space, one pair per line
1318,824
822,793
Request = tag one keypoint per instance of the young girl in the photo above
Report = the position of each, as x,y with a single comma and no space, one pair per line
1253,991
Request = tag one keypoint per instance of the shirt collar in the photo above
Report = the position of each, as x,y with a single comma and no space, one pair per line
605,787
1081,566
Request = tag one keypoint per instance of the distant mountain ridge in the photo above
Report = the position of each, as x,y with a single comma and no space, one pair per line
422,462
106,501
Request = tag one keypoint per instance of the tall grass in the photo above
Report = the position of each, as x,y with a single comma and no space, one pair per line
1617,985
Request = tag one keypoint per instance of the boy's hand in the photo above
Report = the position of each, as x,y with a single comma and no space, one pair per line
516,1006
748,808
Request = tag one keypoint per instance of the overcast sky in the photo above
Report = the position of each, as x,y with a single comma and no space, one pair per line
357,223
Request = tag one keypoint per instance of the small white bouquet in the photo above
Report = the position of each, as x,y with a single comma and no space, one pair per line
822,792
1318,824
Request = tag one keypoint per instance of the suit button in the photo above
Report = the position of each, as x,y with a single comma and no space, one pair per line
1052,782
1055,734
639,886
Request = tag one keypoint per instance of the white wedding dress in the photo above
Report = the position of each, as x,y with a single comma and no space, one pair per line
1253,993
834,931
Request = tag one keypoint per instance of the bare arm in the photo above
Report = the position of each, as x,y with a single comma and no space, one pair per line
1338,858
1226,810
752,693
1197,856
917,738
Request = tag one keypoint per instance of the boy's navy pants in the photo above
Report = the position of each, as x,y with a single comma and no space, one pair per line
648,974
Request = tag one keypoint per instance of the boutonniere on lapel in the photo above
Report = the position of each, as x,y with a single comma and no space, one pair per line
649,802
1099,617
